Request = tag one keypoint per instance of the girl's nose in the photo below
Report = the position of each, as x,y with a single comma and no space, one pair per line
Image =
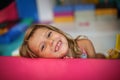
50,41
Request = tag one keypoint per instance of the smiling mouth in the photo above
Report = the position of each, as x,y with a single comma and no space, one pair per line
58,45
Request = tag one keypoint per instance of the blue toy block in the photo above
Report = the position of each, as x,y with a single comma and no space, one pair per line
84,7
14,38
27,9
7,49
14,32
64,8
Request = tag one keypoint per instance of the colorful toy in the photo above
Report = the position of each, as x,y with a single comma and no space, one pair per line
117,42
27,9
84,14
63,14
106,12
15,31
13,38
113,54
6,26
9,13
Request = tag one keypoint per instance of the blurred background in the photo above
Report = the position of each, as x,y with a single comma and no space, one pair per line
97,19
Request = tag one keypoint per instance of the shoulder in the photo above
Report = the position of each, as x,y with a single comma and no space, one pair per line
83,42
87,45
82,39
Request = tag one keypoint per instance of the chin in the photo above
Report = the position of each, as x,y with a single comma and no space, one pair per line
65,53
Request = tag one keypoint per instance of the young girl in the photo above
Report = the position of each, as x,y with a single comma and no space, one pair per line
46,41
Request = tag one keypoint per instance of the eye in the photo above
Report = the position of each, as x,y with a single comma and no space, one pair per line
43,46
49,34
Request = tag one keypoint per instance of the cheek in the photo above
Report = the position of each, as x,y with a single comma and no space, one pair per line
48,53
65,51
52,54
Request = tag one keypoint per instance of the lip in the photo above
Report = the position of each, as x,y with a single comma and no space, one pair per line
58,46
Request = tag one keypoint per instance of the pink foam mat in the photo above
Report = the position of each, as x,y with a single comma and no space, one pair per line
17,68
9,13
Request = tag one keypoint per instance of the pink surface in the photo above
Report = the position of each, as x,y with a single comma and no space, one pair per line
13,68
9,13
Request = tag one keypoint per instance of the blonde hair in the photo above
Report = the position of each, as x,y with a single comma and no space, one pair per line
25,51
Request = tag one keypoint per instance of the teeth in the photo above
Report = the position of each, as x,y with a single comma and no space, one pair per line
59,43
57,46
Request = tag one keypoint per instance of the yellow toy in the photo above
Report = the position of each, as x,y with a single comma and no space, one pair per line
113,54
117,46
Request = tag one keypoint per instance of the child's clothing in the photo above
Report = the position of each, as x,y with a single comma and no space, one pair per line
84,53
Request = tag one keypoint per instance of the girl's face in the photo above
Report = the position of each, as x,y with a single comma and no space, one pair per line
48,44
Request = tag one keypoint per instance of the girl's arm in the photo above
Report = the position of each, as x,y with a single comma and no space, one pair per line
87,45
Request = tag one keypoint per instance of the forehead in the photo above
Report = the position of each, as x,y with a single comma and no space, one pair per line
38,34
40,30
